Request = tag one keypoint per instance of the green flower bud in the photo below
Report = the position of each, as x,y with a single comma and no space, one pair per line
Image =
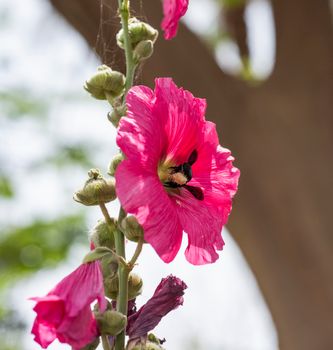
115,161
135,284
152,338
143,50
153,346
139,345
138,31
96,190
111,286
116,114
102,234
92,346
109,264
131,228
106,83
111,322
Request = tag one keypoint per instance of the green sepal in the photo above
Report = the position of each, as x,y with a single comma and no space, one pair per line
98,254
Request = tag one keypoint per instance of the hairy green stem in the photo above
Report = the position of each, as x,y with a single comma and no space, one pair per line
124,270
124,12
123,273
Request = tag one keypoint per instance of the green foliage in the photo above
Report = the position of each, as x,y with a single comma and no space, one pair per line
24,250
20,103
6,188
69,155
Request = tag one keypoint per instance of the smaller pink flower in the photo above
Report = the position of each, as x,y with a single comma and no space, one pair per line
65,313
173,10
167,297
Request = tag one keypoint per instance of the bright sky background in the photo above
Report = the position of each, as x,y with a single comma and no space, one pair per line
223,308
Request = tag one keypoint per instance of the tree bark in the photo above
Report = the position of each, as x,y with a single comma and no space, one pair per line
281,133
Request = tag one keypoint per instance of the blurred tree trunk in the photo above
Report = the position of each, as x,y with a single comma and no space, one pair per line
281,133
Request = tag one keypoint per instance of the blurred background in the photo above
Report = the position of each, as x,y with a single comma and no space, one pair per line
266,69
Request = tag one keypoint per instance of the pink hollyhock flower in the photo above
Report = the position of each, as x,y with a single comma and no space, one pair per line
167,297
173,10
65,313
176,176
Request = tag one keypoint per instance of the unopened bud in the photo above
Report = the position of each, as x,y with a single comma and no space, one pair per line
143,50
109,264
111,322
153,346
115,161
105,83
152,338
139,345
92,346
138,31
96,190
102,234
116,114
131,228
135,284
111,286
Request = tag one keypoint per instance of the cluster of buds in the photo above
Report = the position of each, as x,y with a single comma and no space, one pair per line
108,84
142,38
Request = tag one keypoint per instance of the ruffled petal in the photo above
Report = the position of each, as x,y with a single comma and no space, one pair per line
214,172
140,135
182,116
143,195
203,224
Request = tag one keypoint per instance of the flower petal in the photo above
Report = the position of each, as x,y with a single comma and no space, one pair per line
139,134
183,118
173,10
214,172
65,312
143,195
44,333
70,331
81,288
203,224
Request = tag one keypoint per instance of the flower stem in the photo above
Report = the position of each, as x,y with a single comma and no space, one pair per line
124,12
123,271
137,252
